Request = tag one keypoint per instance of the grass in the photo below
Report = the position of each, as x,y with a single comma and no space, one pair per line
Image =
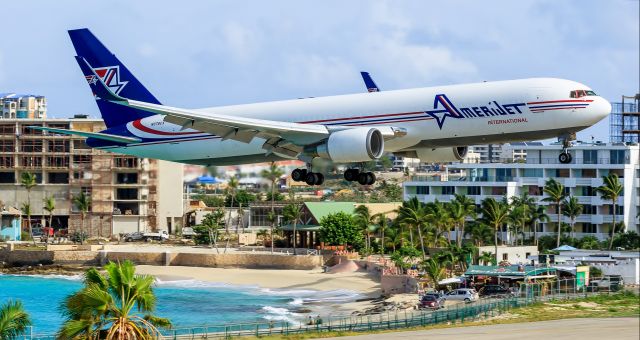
622,304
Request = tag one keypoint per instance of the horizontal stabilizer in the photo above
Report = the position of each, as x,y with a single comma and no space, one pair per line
97,135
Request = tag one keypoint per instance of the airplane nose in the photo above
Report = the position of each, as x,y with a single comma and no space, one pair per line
601,108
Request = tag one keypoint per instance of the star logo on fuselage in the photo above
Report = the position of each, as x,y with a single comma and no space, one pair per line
443,108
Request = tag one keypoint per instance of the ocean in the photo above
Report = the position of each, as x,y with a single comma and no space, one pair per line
187,303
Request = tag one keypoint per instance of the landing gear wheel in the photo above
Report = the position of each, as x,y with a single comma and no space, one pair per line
565,158
366,178
311,178
351,174
319,179
299,175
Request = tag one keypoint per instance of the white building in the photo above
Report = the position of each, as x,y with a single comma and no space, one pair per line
29,106
581,178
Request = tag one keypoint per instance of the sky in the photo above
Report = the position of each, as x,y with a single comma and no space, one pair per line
208,53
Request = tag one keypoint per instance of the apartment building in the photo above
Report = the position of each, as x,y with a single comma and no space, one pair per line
30,106
581,178
127,193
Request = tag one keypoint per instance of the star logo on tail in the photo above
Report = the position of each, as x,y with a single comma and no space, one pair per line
110,76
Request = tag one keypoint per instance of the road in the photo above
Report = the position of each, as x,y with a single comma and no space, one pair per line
582,329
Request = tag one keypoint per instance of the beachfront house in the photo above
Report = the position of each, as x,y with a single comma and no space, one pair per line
10,227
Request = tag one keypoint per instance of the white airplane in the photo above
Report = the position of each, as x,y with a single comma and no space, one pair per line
434,124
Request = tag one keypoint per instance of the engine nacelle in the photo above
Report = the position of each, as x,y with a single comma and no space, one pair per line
441,155
352,145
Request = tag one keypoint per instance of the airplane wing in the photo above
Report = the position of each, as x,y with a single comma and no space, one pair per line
97,135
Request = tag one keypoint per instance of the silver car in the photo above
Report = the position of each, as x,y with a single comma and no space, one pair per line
462,294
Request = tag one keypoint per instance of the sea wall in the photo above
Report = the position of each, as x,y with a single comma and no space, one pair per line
263,261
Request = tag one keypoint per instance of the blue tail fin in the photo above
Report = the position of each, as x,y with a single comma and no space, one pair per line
371,85
114,74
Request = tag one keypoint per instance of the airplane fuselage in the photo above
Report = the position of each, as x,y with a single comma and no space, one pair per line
433,117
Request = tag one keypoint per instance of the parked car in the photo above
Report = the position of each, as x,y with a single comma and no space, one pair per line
187,232
609,282
135,236
497,291
159,236
462,294
432,301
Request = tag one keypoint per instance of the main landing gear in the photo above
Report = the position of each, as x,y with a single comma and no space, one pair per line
565,156
311,178
364,178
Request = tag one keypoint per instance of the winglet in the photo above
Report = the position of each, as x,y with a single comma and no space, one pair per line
371,85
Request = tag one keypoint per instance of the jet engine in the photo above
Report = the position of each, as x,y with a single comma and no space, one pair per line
352,145
437,155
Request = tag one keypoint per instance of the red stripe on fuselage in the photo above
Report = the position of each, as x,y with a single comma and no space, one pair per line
564,101
138,125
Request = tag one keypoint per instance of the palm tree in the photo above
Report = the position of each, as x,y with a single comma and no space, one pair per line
611,190
524,203
495,214
14,320
461,208
50,206
293,213
518,217
486,258
413,214
572,209
382,222
117,305
556,193
211,222
82,202
28,181
480,233
393,236
539,214
364,220
232,188
438,216
272,174
435,270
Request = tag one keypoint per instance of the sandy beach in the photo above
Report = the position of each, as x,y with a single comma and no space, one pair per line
269,278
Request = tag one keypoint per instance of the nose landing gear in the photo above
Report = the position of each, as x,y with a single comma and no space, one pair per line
565,156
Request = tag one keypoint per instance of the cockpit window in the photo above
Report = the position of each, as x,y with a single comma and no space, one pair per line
581,93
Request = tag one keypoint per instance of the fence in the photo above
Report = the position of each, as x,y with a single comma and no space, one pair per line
482,309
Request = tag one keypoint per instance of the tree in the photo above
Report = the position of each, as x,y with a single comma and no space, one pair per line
486,258
232,187
480,233
293,213
340,229
50,206
82,202
572,209
629,240
209,230
495,214
28,181
405,257
461,207
611,190
115,305
522,207
391,192
438,216
383,223
556,194
414,215
273,174
14,320
393,236
539,214
434,270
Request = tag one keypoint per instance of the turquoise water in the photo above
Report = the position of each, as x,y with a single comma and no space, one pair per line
186,303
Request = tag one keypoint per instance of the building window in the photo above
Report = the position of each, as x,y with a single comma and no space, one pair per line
57,161
127,178
26,131
505,257
590,156
58,178
6,129
127,194
126,162
589,228
589,173
473,190
422,190
498,191
6,161
532,173
448,190
588,209
31,146
7,177
504,175
7,146
617,156
32,162
58,146
535,190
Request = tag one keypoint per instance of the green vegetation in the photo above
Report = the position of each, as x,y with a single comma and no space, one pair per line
341,229
208,231
611,190
118,305
28,180
14,320
83,203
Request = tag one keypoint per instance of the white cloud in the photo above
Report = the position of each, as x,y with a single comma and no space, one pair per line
312,71
242,42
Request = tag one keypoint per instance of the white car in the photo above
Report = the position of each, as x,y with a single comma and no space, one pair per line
462,294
